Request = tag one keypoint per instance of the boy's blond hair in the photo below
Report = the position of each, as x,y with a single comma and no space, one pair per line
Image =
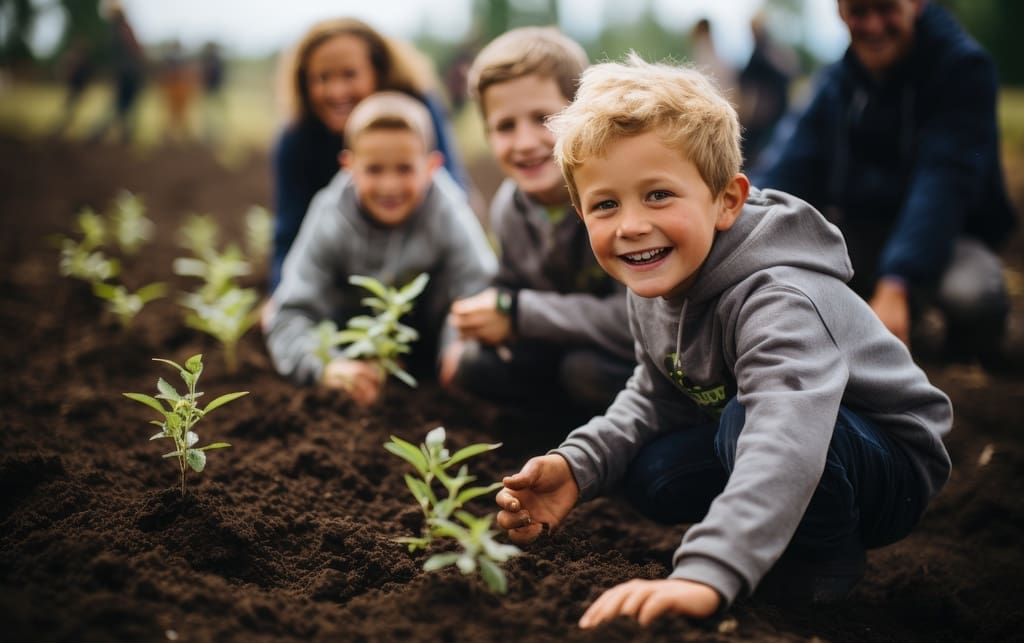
526,51
390,111
398,65
683,106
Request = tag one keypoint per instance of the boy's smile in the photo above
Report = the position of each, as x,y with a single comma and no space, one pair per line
515,112
650,216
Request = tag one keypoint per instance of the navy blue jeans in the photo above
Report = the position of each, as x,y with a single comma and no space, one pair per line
868,494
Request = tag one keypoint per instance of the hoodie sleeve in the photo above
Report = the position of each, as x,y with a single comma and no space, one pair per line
600,451
790,379
576,319
308,291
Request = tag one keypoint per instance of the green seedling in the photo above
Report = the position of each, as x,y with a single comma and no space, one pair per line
326,336
433,463
79,261
218,271
128,223
479,549
199,235
93,229
259,232
125,305
227,318
181,415
382,337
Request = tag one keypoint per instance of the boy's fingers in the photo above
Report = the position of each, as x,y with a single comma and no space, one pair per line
507,501
527,476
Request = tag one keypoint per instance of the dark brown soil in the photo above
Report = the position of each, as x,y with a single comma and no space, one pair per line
288,535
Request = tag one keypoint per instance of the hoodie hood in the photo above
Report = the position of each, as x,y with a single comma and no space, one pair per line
774,229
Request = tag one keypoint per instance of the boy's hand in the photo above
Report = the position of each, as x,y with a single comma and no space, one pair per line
536,498
362,380
478,317
646,600
890,304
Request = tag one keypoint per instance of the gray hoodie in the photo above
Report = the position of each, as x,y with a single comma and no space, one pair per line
770,321
442,237
564,296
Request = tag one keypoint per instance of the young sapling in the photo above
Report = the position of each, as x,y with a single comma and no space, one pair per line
432,462
259,232
199,235
227,318
182,414
126,305
382,337
128,223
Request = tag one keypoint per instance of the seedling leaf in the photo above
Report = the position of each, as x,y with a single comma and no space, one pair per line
222,400
196,459
149,401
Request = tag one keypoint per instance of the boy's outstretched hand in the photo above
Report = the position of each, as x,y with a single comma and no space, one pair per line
646,600
538,497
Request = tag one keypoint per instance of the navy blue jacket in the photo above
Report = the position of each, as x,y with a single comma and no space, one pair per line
305,158
918,151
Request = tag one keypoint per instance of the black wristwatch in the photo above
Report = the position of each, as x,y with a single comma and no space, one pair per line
505,301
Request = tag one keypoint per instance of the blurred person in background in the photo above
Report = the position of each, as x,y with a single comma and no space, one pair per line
129,75
763,89
336,64
899,146
77,68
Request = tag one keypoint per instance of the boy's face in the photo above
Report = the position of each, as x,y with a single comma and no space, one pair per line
391,171
650,216
514,113
881,31
339,75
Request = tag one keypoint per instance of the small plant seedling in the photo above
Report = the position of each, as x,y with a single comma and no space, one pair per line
382,337
217,270
128,223
199,235
182,414
432,462
125,305
259,232
227,318
78,261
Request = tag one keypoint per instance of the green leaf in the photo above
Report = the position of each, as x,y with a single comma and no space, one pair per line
159,435
469,452
392,367
149,401
172,454
167,391
440,561
215,445
222,400
474,492
371,284
196,459
194,364
152,291
407,452
421,491
191,438
493,576
167,361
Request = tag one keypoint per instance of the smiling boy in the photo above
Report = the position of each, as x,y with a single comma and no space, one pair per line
552,330
770,409
385,217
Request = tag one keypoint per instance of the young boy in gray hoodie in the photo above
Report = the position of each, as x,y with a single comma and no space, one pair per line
388,216
552,330
770,406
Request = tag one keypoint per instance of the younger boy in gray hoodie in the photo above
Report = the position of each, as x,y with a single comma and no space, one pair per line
388,216
770,406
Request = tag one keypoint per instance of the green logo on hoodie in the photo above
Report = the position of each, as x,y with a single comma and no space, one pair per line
711,399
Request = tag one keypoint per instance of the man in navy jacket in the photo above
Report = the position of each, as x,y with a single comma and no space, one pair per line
899,146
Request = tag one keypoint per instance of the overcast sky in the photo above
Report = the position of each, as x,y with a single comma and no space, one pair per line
258,27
